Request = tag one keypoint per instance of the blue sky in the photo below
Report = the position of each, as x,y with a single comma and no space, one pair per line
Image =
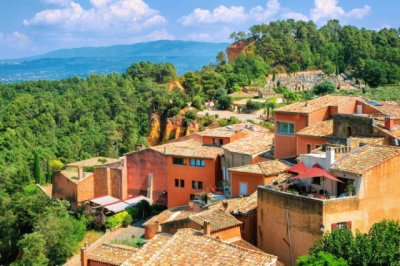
29,27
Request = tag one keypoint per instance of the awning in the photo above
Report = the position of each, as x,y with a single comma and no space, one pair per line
297,168
104,200
316,171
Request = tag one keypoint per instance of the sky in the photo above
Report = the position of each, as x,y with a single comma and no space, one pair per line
31,27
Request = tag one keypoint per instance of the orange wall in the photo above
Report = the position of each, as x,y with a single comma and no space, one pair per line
63,188
285,145
227,234
252,181
318,116
85,189
302,142
249,227
178,196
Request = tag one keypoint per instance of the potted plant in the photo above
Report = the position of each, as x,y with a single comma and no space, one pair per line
349,188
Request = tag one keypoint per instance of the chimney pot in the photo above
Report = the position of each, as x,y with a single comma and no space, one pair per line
225,205
389,123
84,261
207,228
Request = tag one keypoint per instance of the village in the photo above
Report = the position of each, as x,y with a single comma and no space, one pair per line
242,194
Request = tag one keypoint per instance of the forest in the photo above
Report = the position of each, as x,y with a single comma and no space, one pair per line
42,122
369,55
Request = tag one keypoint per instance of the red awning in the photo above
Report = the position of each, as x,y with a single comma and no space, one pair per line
316,171
298,168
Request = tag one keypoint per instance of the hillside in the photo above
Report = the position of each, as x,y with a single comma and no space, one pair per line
65,63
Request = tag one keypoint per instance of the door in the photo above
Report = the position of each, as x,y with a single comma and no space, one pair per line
243,189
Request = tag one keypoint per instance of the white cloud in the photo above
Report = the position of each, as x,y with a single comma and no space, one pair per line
16,40
223,14
58,2
328,9
161,34
295,16
102,16
231,15
262,14
359,12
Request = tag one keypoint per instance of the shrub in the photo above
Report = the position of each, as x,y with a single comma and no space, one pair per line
136,242
127,221
321,258
116,220
156,209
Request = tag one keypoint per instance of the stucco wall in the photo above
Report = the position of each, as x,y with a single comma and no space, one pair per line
285,145
303,141
179,196
276,212
139,165
63,188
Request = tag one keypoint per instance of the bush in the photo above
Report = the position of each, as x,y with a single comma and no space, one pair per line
143,209
321,258
127,221
136,242
254,105
116,220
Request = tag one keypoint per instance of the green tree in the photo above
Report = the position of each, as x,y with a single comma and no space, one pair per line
211,81
321,259
385,243
37,170
324,88
221,58
33,248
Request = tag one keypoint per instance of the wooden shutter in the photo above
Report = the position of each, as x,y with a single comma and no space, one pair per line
333,227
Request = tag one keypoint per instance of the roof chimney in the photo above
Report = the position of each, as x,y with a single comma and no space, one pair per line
84,261
80,172
225,205
389,123
207,228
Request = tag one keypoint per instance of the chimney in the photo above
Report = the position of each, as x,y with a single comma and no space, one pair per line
389,123
84,261
225,205
80,172
330,156
196,206
353,143
207,228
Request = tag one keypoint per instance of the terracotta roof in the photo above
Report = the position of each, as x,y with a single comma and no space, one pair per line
252,144
321,129
242,205
189,148
316,104
170,214
266,168
244,244
380,125
363,158
189,247
93,162
111,254
389,108
231,130
370,140
72,174
218,218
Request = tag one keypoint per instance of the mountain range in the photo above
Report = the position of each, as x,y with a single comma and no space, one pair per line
81,62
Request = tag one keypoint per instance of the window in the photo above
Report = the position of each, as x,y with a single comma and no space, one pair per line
341,225
194,185
197,184
176,182
197,162
221,142
200,185
308,148
178,161
192,196
214,142
243,189
285,128
182,183
316,180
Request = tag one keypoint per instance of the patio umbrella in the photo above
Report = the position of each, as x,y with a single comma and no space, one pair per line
316,171
297,168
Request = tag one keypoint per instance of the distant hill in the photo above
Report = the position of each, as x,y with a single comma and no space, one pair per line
65,63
